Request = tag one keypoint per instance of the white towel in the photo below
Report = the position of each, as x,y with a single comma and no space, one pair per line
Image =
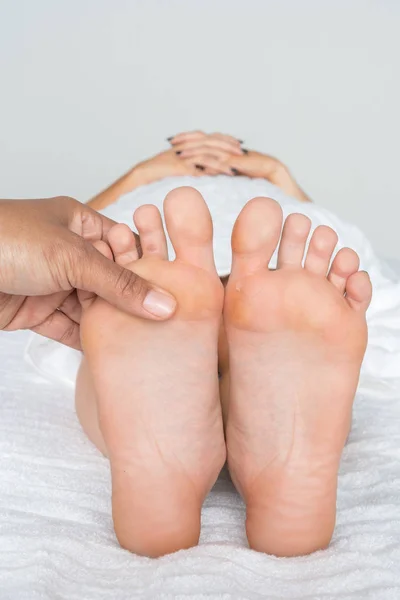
56,535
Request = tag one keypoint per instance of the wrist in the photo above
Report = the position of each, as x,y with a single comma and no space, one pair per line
274,170
136,177
282,177
141,174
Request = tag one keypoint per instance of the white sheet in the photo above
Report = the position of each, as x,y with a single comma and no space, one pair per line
56,536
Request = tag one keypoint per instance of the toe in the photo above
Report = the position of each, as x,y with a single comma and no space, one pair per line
320,250
255,236
345,263
103,248
123,244
190,227
148,221
359,291
293,242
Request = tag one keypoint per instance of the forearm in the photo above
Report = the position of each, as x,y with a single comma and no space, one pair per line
125,184
284,179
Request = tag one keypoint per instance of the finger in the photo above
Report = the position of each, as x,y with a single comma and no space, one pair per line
227,138
210,171
104,248
89,224
71,307
217,141
84,297
210,143
208,162
241,165
9,308
192,169
198,135
89,270
217,153
186,136
200,170
35,309
61,328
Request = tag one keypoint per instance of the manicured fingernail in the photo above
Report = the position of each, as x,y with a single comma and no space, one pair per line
241,141
179,152
159,304
235,171
245,150
200,167
170,138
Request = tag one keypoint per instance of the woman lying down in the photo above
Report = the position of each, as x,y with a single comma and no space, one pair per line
259,368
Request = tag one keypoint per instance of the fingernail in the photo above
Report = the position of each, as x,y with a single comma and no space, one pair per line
179,152
200,167
241,141
170,138
235,171
245,150
159,304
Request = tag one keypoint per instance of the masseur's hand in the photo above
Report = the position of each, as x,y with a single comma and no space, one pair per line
46,254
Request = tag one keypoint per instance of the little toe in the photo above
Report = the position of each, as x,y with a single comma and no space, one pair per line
190,227
320,250
255,236
148,221
359,291
123,244
345,263
293,241
104,249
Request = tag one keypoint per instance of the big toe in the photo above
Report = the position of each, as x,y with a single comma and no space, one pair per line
255,235
190,227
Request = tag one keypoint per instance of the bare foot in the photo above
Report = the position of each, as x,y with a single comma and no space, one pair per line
156,383
297,337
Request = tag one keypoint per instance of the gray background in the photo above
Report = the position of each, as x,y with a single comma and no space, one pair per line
90,87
